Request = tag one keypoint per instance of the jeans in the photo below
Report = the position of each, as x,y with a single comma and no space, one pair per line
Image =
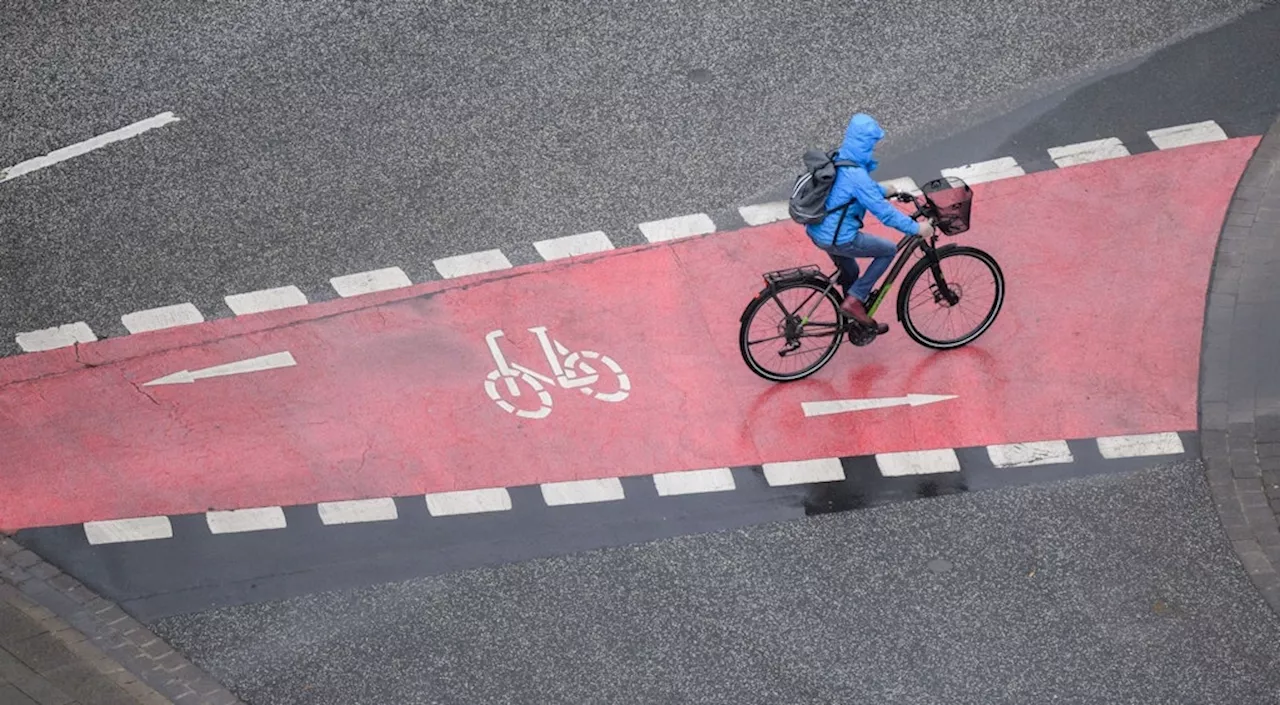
881,252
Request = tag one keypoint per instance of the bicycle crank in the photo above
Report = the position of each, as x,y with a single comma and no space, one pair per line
862,337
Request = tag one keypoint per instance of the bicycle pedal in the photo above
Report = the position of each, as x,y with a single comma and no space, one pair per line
862,337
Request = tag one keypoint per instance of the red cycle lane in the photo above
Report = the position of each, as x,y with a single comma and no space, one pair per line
1106,265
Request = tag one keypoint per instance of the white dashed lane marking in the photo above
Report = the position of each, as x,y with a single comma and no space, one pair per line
799,472
369,282
1140,445
693,481
162,317
1184,135
991,170
472,263
678,227
124,530
442,504
765,213
557,494
53,338
358,511
238,520
904,184
1028,454
266,300
918,462
1086,152
573,245
712,480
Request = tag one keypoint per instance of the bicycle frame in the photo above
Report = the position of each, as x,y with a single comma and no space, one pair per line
914,243
900,260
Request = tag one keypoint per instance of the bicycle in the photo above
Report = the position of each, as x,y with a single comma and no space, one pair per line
946,203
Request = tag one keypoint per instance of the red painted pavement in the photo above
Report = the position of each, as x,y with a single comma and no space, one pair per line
1106,263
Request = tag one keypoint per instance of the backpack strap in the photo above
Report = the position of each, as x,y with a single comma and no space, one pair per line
844,210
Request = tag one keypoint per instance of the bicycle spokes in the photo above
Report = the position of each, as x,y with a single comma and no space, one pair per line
781,332
957,302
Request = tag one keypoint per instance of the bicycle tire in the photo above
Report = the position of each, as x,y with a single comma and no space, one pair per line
913,278
764,299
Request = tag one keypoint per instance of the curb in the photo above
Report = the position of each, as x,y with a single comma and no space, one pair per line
1239,405
118,645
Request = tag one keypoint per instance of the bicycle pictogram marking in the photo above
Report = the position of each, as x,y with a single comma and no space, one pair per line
569,370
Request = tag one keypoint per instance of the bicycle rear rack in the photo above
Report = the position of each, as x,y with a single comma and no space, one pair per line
783,276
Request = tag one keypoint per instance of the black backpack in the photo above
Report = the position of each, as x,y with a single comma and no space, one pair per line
808,202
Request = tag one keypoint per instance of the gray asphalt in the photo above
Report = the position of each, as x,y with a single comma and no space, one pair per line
323,138
1121,589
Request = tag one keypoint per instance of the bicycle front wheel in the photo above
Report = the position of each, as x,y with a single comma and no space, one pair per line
791,331
951,304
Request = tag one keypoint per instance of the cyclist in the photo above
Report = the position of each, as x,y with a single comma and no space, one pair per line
855,187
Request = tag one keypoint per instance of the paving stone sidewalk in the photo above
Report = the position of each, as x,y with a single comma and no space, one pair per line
61,644
1240,370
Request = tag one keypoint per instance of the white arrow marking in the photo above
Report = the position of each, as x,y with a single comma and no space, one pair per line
821,408
257,364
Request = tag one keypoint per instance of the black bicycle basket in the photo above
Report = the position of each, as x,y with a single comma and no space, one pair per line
951,198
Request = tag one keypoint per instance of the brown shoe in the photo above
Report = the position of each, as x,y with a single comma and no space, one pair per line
853,308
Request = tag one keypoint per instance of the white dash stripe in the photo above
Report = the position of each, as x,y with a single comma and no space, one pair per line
1140,445
693,481
238,520
370,282
57,337
1027,454
904,184
918,462
125,530
573,245
799,472
1184,135
581,491
162,317
991,170
358,511
1086,152
471,263
266,300
442,504
765,213
678,227
79,148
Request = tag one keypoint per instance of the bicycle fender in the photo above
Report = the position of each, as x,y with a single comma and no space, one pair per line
815,280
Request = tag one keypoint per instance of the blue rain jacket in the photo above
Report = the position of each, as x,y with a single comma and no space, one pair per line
860,139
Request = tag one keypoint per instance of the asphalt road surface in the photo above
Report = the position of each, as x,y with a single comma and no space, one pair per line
321,139
1120,589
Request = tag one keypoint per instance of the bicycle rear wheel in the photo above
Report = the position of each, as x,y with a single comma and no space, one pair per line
952,309
792,331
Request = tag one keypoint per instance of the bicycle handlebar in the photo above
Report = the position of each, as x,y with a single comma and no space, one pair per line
921,210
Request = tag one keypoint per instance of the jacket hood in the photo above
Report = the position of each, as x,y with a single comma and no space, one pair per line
860,140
